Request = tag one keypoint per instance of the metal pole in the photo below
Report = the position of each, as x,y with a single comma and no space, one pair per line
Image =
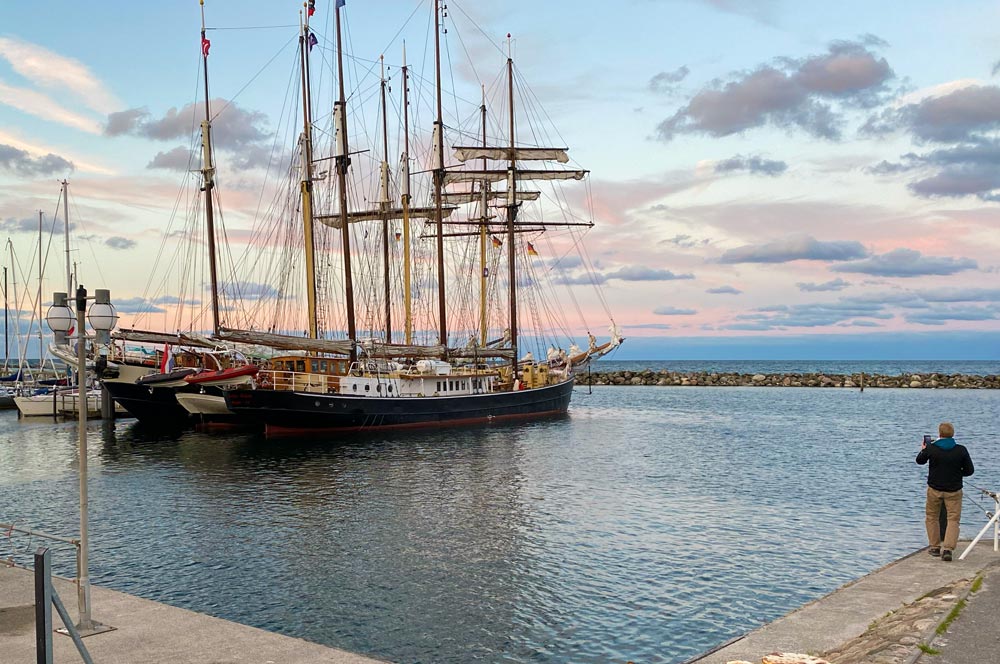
43,606
996,525
83,590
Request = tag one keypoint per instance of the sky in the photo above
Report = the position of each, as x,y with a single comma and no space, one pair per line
760,170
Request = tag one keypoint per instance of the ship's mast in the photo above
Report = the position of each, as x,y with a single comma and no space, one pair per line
343,160
404,187
307,184
41,342
439,178
65,197
483,274
208,179
384,204
512,210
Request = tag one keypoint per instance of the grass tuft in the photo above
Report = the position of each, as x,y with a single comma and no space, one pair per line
977,584
943,627
927,650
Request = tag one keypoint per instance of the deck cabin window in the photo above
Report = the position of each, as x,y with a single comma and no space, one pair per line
300,366
322,366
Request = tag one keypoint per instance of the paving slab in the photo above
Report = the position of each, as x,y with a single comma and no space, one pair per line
147,631
847,612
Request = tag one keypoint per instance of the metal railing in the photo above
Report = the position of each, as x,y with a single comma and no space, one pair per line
45,598
7,530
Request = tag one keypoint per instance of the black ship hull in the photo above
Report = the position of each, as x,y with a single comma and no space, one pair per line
151,405
297,413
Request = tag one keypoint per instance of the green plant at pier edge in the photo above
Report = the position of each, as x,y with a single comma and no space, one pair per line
977,584
927,650
943,627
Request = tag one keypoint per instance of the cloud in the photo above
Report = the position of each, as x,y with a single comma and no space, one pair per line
907,263
177,159
585,279
23,225
643,273
686,241
173,299
795,248
835,285
724,290
232,126
136,305
752,164
42,106
759,10
20,162
118,242
649,326
673,311
817,314
249,290
57,72
960,295
665,80
941,315
804,93
959,115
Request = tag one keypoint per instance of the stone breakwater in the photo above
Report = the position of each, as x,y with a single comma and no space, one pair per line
856,380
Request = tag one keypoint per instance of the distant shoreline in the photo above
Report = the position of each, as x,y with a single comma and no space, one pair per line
858,380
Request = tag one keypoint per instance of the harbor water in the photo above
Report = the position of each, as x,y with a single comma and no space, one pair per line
650,524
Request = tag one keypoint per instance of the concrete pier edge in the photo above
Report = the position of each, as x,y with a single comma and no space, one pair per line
986,563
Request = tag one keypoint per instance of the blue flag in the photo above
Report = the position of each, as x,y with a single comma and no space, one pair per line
312,41
341,3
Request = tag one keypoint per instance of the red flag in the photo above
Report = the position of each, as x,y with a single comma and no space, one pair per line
205,45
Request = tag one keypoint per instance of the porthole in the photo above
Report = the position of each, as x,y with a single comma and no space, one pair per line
355,386
389,388
368,388
378,388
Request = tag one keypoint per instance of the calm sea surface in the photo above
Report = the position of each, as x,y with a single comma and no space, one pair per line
884,367
649,525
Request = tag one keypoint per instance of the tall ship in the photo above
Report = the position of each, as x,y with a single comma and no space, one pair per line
411,296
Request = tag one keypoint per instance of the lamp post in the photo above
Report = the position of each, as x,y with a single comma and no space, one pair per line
102,319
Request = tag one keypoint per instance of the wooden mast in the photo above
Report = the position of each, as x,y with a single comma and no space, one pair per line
343,161
384,204
439,178
483,273
405,200
207,172
307,184
512,211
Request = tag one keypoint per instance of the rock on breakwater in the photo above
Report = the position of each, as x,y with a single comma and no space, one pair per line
855,380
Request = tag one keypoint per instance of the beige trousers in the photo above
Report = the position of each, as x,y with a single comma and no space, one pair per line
953,504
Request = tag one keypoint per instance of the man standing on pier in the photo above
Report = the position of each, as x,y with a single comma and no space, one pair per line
949,463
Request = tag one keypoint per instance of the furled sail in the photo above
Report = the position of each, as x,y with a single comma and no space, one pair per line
464,154
460,197
498,176
177,339
287,342
334,220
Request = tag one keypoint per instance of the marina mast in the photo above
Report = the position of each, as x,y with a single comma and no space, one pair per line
343,161
307,183
208,174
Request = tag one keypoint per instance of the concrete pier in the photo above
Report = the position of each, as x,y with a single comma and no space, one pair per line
845,614
147,632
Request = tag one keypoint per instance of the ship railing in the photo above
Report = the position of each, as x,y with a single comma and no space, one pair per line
298,381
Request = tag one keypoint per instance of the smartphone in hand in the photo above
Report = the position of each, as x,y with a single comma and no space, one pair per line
928,439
